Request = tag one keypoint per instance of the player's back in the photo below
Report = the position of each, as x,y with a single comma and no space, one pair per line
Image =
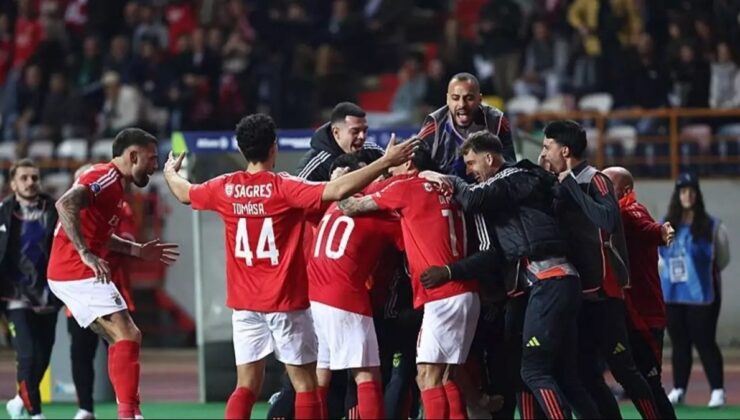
263,214
434,234
345,252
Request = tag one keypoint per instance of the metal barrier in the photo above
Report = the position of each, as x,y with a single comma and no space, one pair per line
659,142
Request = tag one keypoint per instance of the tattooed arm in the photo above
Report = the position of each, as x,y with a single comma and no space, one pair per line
69,207
357,205
124,246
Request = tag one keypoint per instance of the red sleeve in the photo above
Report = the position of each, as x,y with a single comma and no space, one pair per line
639,224
392,197
427,130
99,186
301,194
203,197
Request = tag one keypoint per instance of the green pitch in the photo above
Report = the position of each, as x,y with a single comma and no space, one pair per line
216,411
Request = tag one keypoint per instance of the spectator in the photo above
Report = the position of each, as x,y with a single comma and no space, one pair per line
90,67
690,79
181,21
691,282
150,28
6,50
437,79
149,74
545,63
499,40
131,19
30,102
200,79
62,116
725,80
28,33
122,106
408,97
705,38
119,59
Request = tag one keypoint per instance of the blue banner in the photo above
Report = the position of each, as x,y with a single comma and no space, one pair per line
288,140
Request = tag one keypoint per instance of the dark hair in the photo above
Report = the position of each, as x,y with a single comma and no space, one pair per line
349,160
568,133
422,159
255,134
701,226
482,141
466,77
131,137
354,160
23,163
345,109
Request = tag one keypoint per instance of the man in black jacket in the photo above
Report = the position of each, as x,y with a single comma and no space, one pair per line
27,222
589,215
446,128
346,132
516,205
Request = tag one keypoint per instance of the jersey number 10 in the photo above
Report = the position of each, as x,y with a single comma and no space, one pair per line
265,244
334,254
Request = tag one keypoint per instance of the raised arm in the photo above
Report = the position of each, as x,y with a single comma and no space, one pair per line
345,186
154,250
179,186
601,206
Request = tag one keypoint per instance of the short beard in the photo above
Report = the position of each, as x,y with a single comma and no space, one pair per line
28,197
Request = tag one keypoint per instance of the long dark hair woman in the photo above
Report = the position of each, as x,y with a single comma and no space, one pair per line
690,278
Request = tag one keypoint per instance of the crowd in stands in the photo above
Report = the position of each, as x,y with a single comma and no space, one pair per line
87,68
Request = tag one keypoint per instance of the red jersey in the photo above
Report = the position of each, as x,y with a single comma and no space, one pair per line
120,264
644,297
27,37
345,252
434,233
264,220
104,184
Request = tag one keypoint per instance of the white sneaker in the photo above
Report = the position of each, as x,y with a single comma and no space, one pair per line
38,416
83,414
15,408
717,400
676,396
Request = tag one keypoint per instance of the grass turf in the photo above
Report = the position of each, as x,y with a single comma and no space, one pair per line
216,411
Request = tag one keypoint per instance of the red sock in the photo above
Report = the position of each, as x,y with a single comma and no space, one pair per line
435,403
307,405
123,369
240,404
458,409
370,400
321,392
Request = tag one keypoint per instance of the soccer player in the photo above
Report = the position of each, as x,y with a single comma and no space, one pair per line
345,253
589,216
79,274
84,341
644,299
433,234
266,282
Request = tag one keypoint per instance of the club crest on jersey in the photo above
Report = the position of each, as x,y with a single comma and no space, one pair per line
229,190
428,187
95,187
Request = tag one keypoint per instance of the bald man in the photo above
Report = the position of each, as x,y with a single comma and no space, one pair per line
446,128
644,299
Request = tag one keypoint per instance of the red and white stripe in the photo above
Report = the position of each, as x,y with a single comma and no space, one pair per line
551,403
427,130
601,185
106,180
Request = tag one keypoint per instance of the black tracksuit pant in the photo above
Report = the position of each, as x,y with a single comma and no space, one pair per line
603,335
647,349
33,338
549,354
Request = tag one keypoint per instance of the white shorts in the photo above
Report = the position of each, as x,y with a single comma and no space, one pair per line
447,329
88,299
289,334
346,339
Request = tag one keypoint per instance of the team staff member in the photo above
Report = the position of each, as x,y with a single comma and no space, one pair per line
445,129
644,298
516,201
27,220
589,216
346,132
